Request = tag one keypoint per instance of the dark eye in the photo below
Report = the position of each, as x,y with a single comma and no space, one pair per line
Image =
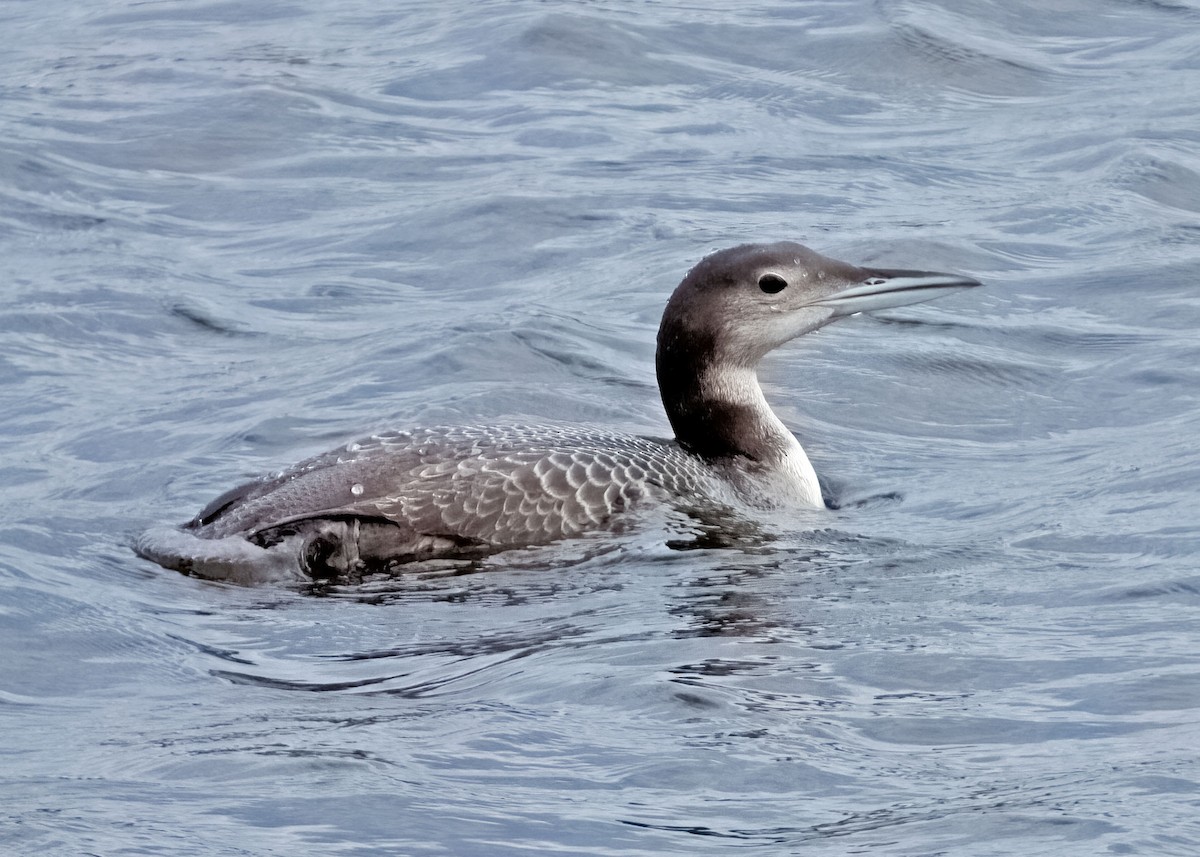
772,284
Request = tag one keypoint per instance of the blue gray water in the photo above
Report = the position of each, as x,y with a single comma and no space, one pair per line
234,234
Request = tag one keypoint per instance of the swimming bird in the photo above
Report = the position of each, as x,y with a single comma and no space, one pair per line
468,491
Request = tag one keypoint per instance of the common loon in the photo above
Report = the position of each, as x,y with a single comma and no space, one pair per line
467,491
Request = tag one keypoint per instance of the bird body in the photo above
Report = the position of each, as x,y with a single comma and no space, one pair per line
467,491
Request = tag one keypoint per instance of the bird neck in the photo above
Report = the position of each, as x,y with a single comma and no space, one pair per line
716,407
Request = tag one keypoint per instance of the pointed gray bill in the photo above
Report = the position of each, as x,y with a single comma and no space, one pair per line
886,289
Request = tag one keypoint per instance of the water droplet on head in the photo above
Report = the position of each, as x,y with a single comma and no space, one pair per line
356,489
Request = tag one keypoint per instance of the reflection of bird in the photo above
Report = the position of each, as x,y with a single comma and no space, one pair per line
464,491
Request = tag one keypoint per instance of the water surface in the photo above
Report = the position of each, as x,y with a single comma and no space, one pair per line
232,235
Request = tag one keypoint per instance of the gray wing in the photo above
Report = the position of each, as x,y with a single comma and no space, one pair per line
499,486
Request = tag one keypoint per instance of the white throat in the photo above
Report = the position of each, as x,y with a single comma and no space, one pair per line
787,477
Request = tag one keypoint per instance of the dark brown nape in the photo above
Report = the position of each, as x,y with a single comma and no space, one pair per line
709,428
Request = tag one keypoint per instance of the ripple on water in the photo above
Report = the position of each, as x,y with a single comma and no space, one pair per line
239,233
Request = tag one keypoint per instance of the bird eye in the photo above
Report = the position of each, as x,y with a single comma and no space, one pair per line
772,284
